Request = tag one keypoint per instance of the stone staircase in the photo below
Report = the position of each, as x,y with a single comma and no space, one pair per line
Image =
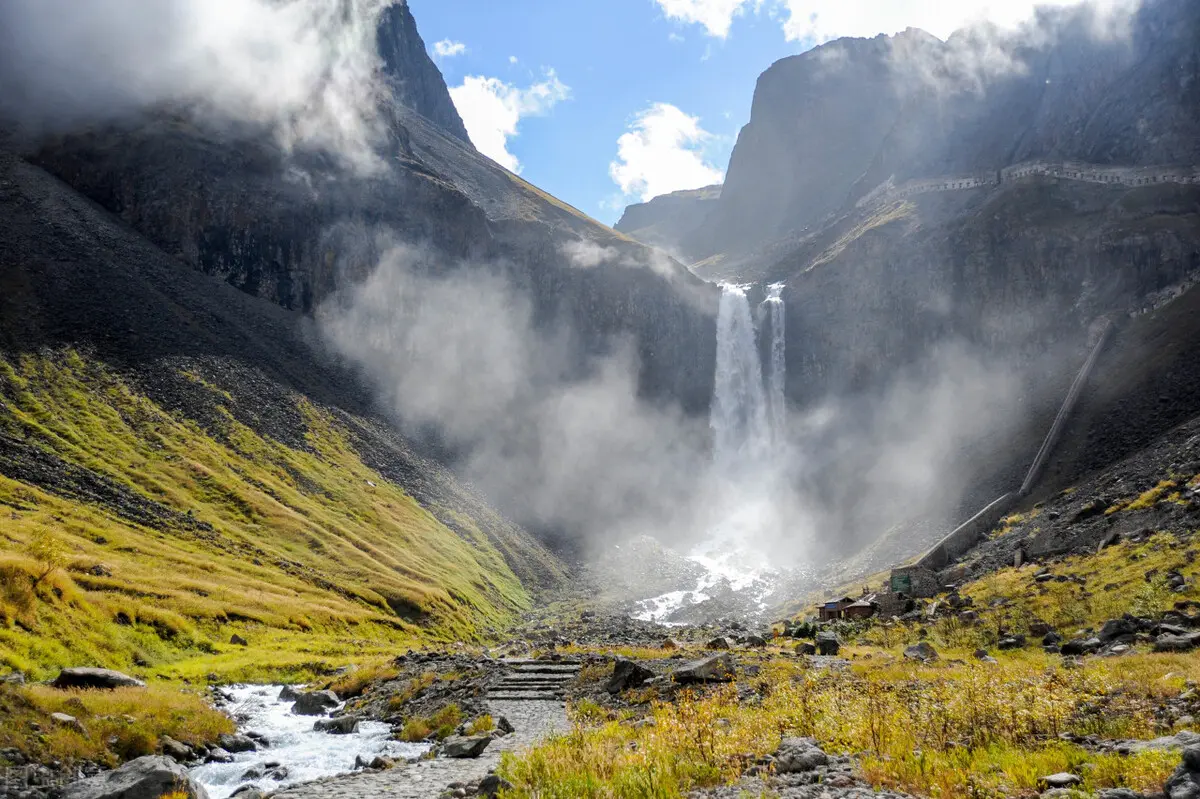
534,680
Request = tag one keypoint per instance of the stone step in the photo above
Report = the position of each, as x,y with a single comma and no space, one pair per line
529,696
530,662
542,669
534,676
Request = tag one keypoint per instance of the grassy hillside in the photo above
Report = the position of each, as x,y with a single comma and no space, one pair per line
159,539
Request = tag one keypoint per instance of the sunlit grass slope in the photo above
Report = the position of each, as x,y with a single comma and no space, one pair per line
170,538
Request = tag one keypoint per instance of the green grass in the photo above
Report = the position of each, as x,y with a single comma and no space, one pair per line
307,553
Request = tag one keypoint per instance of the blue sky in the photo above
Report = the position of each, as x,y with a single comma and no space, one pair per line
618,59
550,87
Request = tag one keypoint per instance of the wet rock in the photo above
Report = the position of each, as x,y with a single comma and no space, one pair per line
254,773
381,763
176,750
95,678
463,746
315,703
718,668
288,694
796,755
923,652
218,755
236,743
627,674
248,792
827,643
144,778
342,725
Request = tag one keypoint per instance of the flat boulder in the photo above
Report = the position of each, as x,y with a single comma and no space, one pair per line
627,674
145,778
922,652
236,743
718,668
104,679
464,746
797,755
315,703
342,725
1177,643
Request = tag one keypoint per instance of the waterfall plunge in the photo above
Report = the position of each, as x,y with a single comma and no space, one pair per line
739,416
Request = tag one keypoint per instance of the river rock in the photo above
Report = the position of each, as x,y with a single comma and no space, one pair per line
491,785
718,668
236,743
627,674
218,755
342,725
175,749
106,679
462,746
315,703
248,792
796,755
145,778
288,694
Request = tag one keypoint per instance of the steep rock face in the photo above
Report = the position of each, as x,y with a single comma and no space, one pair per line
669,220
831,124
413,78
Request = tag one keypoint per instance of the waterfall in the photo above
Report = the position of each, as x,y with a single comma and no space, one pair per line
777,367
739,416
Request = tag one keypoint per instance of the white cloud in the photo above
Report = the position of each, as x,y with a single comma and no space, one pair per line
447,48
715,15
512,59
492,109
822,20
663,152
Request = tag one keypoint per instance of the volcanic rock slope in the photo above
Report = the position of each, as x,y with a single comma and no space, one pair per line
176,446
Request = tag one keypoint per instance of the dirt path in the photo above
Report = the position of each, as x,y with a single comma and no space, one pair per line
529,696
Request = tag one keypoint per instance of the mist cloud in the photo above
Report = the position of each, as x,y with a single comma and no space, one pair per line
306,69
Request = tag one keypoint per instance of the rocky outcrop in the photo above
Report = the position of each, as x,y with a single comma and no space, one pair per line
669,220
410,73
315,703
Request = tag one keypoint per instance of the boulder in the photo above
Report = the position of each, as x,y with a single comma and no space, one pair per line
288,694
1177,643
145,778
65,720
342,725
13,678
105,679
248,792
796,755
491,785
236,743
381,763
1184,783
720,642
176,750
1011,642
756,641
1051,639
238,640
218,755
627,674
315,703
922,652
1061,780
828,643
718,668
805,648
462,746
1081,646
505,726
1117,628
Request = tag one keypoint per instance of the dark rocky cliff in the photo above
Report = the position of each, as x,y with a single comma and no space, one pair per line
669,219
413,78
831,124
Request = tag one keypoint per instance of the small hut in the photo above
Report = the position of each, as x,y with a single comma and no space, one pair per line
833,608
863,608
